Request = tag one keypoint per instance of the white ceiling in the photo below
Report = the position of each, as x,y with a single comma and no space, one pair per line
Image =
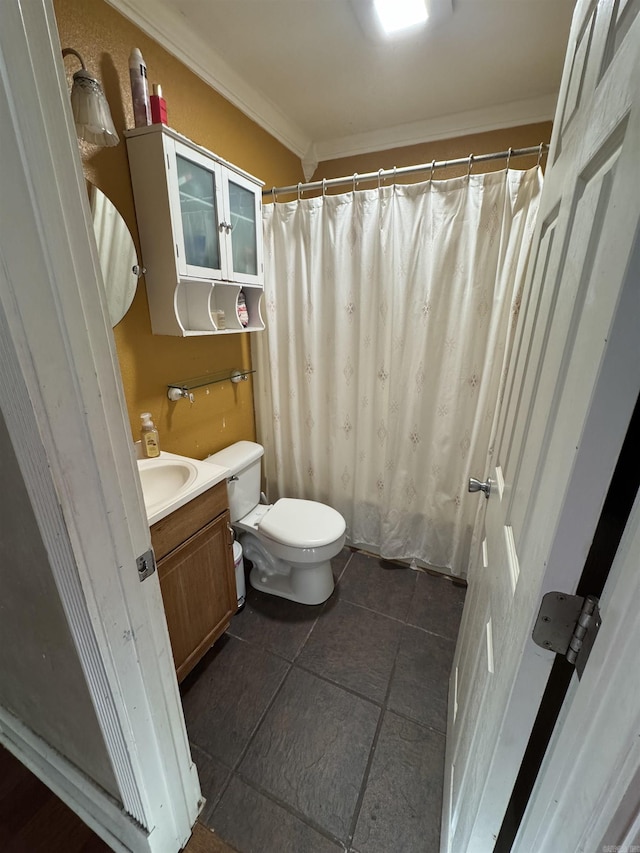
314,77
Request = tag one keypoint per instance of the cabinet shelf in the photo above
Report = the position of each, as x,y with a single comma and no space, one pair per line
210,379
199,203
197,302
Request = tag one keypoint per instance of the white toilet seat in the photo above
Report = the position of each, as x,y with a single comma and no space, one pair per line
302,524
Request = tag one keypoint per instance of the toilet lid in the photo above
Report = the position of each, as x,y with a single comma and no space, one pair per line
302,524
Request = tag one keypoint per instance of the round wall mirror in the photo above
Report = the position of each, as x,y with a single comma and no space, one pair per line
117,253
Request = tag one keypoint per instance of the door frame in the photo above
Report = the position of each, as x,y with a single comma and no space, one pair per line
585,763
63,402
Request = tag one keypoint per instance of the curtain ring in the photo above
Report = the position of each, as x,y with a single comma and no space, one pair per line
433,165
540,153
509,157
274,195
355,181
299,189
324,187
380,171
470,166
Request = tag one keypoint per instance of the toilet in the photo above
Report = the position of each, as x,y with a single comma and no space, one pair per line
290,542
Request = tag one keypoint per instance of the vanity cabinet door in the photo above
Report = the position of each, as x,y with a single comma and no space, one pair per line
198,587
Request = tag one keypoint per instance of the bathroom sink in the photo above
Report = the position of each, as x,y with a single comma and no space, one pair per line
169,481
164,479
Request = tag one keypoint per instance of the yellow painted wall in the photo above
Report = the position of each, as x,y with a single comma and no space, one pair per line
443,149
222,413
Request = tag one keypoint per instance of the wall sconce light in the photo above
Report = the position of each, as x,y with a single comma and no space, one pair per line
91,112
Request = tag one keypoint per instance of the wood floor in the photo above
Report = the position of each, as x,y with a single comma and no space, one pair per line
34,820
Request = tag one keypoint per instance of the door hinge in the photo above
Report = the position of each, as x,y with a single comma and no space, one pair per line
146,564
568,625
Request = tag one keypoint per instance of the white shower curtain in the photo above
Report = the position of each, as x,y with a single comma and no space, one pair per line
389,317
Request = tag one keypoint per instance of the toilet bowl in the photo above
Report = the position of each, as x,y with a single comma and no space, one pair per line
289,543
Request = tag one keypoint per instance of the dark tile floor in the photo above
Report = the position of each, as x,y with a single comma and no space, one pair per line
320,729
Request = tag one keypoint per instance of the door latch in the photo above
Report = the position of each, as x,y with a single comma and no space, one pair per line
568,625
146,564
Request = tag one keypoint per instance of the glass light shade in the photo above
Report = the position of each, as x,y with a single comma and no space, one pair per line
398,15
91,112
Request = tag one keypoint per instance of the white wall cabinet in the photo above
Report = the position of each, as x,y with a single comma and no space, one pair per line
200,224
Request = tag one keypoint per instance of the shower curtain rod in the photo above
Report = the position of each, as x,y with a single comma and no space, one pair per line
383,174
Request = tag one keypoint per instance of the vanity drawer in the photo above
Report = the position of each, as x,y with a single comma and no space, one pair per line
176,528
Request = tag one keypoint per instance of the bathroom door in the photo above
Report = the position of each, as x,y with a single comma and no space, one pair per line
571,388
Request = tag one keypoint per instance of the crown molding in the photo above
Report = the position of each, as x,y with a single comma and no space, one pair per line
466,123
171,31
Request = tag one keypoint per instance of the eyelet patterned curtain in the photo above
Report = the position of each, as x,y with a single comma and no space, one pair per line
390,314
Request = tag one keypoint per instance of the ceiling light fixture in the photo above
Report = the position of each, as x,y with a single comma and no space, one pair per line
398,15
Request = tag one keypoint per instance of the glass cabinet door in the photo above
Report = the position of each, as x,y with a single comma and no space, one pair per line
244,200
199,194
199,214
242,208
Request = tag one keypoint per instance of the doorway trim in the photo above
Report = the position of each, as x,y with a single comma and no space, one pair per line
64,406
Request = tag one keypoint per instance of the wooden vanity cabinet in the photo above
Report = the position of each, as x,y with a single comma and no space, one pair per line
194,553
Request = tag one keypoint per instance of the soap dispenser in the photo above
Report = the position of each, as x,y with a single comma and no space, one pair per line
149,437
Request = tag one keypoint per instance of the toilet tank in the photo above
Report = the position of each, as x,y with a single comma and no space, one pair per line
243,461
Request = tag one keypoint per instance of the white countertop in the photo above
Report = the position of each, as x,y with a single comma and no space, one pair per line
170,481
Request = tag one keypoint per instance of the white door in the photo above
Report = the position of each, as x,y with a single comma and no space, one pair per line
587,795
67,427
571,388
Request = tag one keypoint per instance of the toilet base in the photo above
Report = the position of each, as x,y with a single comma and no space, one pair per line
304,584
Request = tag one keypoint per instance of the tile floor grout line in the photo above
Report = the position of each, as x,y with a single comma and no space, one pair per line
395,618
210,805
365,779
245,749
415,722
315,622
337,684
261,719
344,568
324,607
371,610
303,818
404,621
431,633
216,800
268,651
